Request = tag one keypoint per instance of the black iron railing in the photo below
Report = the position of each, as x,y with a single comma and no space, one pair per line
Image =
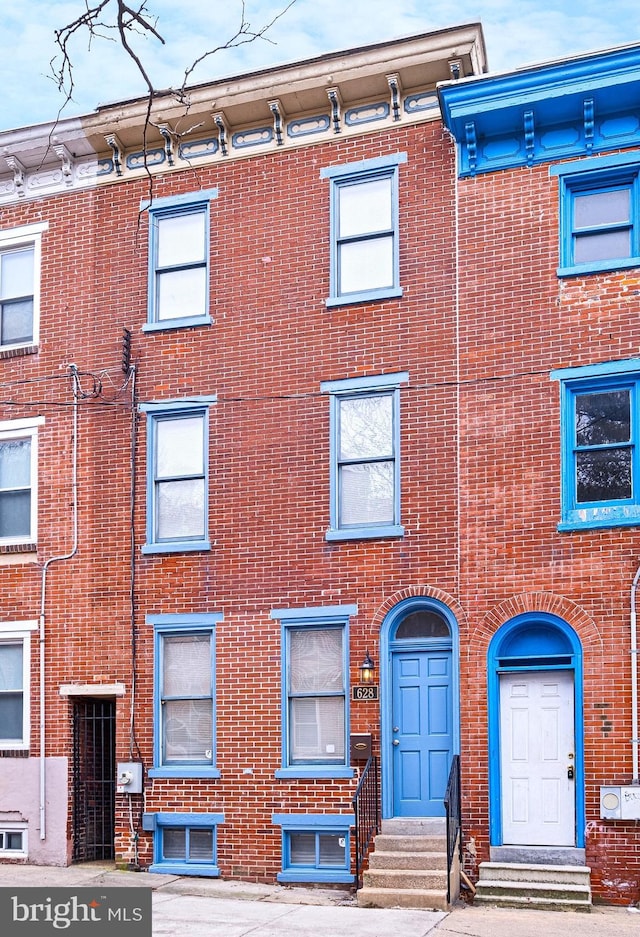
366,807
452,806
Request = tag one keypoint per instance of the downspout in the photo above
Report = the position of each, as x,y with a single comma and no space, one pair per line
43,592
634,679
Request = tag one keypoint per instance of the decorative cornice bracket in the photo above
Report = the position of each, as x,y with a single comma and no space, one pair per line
223,133
67,161
169,143
336,108
277,110
395,87
117,150
19,175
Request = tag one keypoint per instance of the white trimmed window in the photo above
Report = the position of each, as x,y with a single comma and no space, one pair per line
18,481
13,841
15,665
20,254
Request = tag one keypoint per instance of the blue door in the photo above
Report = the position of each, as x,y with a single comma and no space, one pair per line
422,731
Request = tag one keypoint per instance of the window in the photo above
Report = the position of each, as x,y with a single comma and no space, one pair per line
15,663
599,214
13,841
177,476
179,257
600,455
18,481
364,230
315,698
184,696
184,843
365,457
20,286
315,847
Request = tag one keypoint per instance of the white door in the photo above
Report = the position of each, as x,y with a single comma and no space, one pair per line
537,758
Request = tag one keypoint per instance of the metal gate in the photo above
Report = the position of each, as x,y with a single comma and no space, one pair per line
93,779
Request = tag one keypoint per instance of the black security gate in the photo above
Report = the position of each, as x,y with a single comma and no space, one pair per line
94,772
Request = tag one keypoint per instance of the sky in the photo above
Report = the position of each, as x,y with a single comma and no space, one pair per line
517,32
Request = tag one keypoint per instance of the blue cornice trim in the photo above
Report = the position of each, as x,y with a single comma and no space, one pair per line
576,107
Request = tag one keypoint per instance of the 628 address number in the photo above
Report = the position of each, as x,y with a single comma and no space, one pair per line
365,692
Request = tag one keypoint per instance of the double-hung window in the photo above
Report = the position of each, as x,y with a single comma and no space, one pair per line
600,445
20,253
364,230
18,481
184,695
315,699
15,665
179,260
177,475
365,457
599,214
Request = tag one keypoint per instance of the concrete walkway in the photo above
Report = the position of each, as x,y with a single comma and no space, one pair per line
199,907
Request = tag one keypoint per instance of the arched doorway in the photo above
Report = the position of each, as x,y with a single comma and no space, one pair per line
419,706
536,787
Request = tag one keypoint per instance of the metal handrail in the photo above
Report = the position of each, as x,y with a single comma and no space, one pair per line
366,807
452,806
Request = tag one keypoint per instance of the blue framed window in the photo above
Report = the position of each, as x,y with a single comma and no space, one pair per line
177,475
600,455
365,457
184,695
184,843
364,230
599,214
179,260
315,847
315,700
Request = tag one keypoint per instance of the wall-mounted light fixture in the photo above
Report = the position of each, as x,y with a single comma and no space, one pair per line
366,669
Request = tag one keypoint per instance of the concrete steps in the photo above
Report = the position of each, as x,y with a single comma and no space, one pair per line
549,887
408,867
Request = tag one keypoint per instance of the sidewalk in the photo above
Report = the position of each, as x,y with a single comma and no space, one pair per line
200,907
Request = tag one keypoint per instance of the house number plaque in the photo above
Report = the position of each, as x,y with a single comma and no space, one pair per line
364,692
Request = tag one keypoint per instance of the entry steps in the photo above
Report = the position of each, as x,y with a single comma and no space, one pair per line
539,886
408,867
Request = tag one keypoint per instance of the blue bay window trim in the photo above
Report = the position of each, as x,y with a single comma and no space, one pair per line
607,376
175,206
590,177
197,406
170,625
353,387
303,619
367,170
339,824
159,822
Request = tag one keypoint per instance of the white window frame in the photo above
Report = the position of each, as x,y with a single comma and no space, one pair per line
14,853
25,429
15,632
27,236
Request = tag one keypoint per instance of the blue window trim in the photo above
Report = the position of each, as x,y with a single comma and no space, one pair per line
339,823
167,410
354,387
590,176
175,624
159,822
187,203
496,665
305,618
351,174
610,375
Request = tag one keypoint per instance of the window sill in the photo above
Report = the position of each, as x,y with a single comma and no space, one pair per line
177,546
366,296
602,266
315,875
168,325
14,351
593,518
309,772
178,868
188,771
18,548
365,533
